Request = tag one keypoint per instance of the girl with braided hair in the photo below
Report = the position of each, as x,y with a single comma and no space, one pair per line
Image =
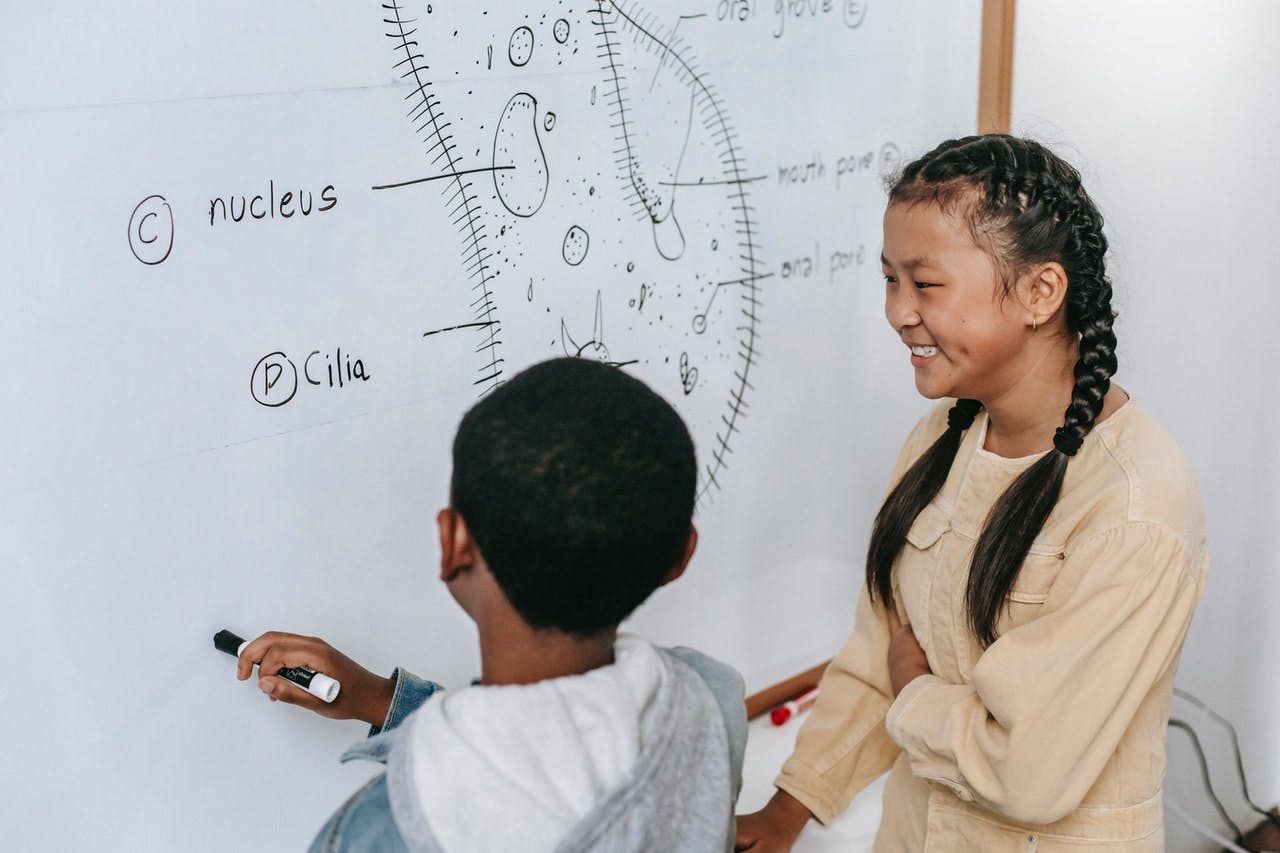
1033,571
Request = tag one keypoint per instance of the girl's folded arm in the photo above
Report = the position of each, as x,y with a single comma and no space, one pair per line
1050,700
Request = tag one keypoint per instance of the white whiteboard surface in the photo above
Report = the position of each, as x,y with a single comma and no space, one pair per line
724,162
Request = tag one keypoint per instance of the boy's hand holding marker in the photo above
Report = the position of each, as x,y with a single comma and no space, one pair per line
364,695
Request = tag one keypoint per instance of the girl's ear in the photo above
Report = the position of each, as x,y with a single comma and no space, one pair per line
1042,290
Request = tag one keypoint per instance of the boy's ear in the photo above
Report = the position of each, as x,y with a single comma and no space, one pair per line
1044,290
457,548
689,547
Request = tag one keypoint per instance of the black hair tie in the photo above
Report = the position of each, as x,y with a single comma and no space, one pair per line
962,414
1067,441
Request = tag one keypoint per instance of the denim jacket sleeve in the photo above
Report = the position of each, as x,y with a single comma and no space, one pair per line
362,825
364,821
411,691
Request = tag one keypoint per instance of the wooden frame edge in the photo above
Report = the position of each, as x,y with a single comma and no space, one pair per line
995,78
773,696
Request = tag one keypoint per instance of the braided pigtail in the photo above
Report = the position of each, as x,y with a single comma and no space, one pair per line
1030,207
918,486
1089,311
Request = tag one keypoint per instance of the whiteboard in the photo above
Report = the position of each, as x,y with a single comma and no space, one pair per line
259,259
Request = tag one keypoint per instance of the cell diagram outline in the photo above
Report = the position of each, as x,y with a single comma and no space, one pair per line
618,191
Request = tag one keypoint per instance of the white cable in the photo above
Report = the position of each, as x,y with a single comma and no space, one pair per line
1199,827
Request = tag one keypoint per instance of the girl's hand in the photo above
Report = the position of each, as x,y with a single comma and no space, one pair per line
774,828
907,660
363,696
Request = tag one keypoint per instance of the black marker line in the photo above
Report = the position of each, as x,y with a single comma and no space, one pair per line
462,326
729,182
748,279
445,175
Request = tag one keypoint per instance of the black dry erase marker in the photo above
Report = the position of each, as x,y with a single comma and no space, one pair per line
317,684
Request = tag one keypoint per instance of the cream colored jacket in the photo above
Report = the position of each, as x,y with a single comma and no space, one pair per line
1052,739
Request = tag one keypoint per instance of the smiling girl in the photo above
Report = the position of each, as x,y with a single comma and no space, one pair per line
1033,571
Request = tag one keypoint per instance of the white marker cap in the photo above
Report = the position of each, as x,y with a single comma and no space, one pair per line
324,687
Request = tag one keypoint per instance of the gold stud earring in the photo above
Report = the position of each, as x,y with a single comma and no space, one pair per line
1035,325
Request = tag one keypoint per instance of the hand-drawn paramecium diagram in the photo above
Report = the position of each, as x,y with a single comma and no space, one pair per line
596,181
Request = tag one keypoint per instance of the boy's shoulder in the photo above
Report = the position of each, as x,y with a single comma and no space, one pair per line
725,682
680,794
690,729
729,689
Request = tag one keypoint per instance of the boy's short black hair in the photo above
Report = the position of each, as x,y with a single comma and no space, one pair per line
577,483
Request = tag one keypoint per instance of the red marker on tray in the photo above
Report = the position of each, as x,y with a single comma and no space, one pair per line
787,710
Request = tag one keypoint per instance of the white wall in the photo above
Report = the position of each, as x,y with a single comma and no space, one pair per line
1172,111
